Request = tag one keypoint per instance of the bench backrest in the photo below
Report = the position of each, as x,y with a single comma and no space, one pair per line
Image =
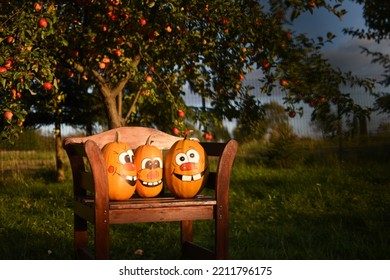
89,169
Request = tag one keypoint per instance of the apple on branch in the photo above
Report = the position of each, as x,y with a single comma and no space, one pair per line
42,23
8,115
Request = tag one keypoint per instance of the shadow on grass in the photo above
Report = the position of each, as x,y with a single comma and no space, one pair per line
25,244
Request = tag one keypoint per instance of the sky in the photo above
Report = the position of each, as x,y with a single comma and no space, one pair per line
345,51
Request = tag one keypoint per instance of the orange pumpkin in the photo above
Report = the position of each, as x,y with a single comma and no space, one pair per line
186,168
122,174
149,165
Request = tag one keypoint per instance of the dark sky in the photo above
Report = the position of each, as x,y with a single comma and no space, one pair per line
345,51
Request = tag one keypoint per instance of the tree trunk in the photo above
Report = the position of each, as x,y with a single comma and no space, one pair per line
112,96
59,153
110,102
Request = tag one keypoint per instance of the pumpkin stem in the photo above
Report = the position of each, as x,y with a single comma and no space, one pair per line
116,136
148,141
188,133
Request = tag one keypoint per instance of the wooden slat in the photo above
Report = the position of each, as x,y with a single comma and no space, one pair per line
86,181
160,203
154,202
85,211
167,214
134,136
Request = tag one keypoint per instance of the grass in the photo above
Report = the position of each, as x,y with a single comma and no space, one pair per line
317,208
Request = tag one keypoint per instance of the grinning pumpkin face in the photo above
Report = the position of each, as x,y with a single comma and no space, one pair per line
186,168
122,174
149,165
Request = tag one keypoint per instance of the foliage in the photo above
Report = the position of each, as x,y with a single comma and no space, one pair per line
282,148
251,123
138,55
376,14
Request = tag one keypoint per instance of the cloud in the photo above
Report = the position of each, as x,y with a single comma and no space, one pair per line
348,56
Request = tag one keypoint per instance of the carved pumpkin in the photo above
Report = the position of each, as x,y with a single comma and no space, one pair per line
149,165
186,168
122,174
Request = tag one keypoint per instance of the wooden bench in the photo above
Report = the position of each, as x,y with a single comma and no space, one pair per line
92,204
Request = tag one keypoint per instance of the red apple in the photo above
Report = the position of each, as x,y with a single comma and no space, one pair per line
10,39
114,2
37,6
102,65
292,114
181,113
8,115
106,60
3,69
70,73
42,23
8,63
120,41
149,78
47,85
265,64
208,136
283,83
142,21
175,131
118,52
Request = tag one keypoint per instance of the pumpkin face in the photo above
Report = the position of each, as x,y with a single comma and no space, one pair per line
149,165
186,168
122,175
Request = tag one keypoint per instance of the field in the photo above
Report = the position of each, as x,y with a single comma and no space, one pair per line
313,204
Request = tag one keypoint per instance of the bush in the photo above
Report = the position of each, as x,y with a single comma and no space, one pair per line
282,150
30,139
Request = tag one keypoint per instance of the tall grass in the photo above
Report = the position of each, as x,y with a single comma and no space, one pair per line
319,207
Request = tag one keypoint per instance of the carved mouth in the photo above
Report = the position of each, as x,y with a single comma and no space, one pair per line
189,178
150,184
131,180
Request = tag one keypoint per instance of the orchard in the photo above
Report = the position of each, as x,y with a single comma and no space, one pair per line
137,56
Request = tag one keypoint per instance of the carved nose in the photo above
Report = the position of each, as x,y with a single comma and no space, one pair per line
187,166
153,175
129,166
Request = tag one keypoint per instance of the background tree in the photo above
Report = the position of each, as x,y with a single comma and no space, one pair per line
377,18
133,50
138,55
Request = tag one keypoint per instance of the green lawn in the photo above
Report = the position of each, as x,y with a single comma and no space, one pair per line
316,208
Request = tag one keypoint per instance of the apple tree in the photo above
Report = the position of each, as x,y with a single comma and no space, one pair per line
138,55
376,14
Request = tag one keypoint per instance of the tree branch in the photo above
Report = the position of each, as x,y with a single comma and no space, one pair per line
133,105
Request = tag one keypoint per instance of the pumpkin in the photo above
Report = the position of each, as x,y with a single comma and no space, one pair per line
122,174
186,168
149,165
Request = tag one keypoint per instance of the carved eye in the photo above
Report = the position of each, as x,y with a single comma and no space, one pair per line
126,157
181,158
148,163
193,156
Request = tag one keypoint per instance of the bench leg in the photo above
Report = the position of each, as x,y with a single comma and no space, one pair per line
186,231
222,237
80,236
102,240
